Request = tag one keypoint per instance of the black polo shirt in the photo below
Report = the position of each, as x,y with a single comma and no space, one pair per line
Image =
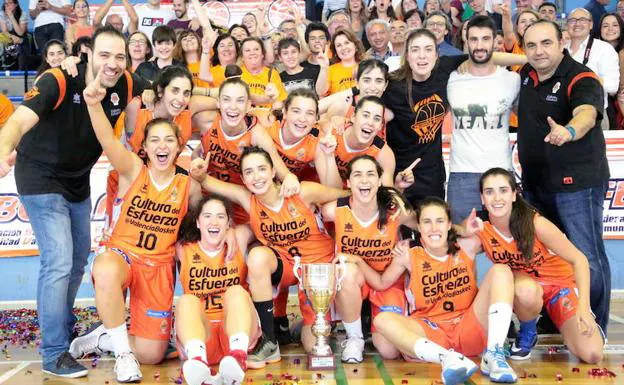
578,164
57,154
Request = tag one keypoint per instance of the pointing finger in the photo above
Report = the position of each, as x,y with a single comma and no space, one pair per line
411,166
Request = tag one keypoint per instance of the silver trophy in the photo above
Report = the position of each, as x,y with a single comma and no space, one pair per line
319,282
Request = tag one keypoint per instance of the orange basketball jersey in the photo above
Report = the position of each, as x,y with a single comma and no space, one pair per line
291,229
225,151
147,219
344,154
208,277
298,156
441,291
545,266
365,240
144,116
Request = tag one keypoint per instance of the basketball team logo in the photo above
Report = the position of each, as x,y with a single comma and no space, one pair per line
429,117
219,13
280,10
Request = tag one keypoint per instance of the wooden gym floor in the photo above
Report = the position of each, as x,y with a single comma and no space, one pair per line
19,365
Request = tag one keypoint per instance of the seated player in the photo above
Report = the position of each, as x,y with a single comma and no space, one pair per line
154,198
366,225
215,319
549,270
450,317
287,227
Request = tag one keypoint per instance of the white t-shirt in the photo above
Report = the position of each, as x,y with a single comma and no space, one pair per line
47,16
150,18
480,106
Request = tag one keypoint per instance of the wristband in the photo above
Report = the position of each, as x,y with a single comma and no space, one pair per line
572,131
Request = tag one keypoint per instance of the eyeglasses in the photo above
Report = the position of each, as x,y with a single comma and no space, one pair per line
436,24
137,42
582,20
314,38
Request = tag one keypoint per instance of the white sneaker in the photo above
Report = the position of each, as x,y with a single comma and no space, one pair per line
494,365
88,342
232,369
457,369
352,350
127,368
197,372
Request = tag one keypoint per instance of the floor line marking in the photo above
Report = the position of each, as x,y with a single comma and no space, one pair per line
14,371
381,368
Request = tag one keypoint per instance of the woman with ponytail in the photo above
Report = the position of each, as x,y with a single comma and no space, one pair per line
366,226
549,271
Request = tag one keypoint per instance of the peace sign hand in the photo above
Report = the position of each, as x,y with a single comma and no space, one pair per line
94,93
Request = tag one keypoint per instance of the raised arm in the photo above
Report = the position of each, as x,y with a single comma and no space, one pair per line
133,18
101,13
509,36
325,161
317,194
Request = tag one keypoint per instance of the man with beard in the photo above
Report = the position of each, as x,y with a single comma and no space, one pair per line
182,20
480,138
56,149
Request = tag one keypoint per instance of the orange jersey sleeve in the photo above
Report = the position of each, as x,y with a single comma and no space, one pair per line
6,109
148,219
365,240
340,78
298,156
291,229
545,266
441,290
225,151
208,277
144,116
344,154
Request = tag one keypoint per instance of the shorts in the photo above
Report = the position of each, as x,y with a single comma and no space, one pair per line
283,278
560,302
218,342
463,334
151,298
392,299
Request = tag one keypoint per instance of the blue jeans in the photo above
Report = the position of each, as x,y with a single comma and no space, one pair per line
463,194
579,214
63,232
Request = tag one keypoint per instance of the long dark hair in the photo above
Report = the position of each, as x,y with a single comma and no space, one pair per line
189,233
389,12
620,42
404,73
166,75
452,237
17,13
388,198
44,53
521,222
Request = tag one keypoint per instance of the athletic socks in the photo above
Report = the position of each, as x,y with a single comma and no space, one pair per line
239,341
499,315
354,329
196,348
528,326
265,313
119,339
105,343
428,351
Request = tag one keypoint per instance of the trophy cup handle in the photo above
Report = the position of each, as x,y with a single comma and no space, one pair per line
297,269
341,269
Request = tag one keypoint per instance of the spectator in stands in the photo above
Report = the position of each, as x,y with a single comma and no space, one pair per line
288,28
250,21
414,19
619,8
398,34
182,21
226,51
596,9
596,54
82,45
53,54
431,6
239,32
440,25
338,19
460,38
163,40
479,8
347,52
457,12
297,76
151,15
49,17
317,38
331,6
188,51
548,11
378,35
382,9
82,27
139,50
404,7
13,22
513,33
115,20
564,164
522,5
499,42
612,31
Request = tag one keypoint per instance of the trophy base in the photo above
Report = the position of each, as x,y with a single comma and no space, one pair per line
321,362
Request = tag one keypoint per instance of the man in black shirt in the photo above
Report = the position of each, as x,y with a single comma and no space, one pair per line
295,75
562,150
56,149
